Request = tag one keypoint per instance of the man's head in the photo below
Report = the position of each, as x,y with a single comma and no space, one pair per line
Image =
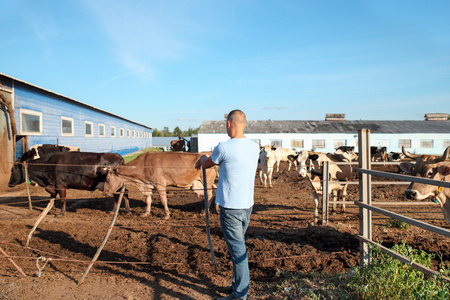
236,123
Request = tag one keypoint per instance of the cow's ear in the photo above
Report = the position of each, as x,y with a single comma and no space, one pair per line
313,156
406,167
444,170
292,157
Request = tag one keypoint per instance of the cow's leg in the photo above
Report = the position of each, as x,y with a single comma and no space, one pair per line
316,207
163,195
261,176
270,171
344,196
334,193
148,201
63,197
125,198
41,217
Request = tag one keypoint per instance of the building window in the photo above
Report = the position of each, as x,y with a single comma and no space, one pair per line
446,143
142,134
426,143
132,133
128,133
296,143
30,122
66,126
88,126
318,144
339,143
405,143
101,130
275,143
121,132
113,131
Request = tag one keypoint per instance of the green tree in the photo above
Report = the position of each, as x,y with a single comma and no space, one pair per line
177,131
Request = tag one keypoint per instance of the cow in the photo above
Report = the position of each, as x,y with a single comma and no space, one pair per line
158,170
396,156
314,161
37,151
378,152
421,160
266,162
57,172
432,167
281,154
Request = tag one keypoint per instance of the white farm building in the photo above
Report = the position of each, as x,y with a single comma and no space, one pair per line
430,136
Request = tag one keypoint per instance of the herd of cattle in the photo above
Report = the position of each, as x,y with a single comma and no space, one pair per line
58,168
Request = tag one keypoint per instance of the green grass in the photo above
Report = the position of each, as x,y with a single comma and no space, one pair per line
129,158
388,278
384,278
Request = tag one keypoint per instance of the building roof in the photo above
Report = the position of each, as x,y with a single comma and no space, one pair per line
74,101
298,126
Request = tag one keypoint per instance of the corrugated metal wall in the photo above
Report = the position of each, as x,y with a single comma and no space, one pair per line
53,107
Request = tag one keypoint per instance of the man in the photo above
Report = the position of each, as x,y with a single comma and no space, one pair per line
238,160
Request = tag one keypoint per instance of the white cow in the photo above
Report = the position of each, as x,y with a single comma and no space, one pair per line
266,162
314,162
281,154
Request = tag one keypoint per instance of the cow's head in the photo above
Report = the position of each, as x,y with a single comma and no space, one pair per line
112,183
422,161
420,191
17,175
302,158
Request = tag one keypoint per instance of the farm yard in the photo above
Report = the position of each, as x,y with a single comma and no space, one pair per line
152,258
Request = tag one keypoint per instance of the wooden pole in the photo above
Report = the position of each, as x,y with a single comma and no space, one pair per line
28,185
99,250
208,233
41,217
12,261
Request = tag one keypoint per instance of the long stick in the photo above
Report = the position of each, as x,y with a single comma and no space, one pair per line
28,187
12,261
208,233
99,250
41,217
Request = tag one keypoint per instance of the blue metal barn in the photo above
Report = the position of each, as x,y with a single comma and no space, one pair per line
45,117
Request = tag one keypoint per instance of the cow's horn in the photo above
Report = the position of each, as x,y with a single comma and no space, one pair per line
406,153
444,156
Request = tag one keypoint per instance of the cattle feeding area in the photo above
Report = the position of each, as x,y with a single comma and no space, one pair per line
155,258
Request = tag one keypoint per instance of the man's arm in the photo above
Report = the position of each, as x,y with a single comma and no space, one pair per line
204,161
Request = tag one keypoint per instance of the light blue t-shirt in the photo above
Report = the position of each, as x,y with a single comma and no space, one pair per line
237,160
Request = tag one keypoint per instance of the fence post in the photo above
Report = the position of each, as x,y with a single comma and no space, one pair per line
325,192
365,196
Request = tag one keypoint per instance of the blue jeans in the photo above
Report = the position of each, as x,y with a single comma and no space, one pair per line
234,223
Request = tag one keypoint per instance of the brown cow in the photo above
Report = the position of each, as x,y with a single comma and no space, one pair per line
157,170
432,167
421,160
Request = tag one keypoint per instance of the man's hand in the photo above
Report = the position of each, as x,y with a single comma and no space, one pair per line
205,162
200,161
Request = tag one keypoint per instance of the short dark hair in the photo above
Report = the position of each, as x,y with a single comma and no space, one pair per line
236,116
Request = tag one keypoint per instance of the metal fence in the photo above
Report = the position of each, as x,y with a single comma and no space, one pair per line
366,207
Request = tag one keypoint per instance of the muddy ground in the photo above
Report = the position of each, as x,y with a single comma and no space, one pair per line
150,258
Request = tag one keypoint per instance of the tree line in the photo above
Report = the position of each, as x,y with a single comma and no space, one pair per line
176,132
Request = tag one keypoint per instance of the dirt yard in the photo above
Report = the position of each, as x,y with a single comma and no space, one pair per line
149,258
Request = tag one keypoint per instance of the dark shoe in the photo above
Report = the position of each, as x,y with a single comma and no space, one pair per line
230,297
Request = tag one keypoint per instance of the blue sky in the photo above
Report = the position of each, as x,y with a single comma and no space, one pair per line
177,63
